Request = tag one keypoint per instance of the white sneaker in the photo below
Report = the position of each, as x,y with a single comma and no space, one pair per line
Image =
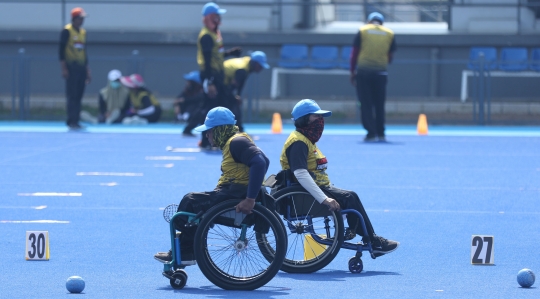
127,120
87,117
113,116
136,120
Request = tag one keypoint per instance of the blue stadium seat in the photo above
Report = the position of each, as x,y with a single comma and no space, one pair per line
345,56
490,58
535,59
513,59
294,56
324,57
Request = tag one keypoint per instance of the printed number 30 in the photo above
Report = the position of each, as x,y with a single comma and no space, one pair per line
479,243
38,248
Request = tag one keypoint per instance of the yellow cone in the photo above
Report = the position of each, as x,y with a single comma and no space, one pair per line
422,126
277,126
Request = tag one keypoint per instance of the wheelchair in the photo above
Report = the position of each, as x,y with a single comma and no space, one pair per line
226,246
314,234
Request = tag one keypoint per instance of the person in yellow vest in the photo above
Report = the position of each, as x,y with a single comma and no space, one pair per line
373,49
142,107
243,168
237,71
304,159
74,65
210,50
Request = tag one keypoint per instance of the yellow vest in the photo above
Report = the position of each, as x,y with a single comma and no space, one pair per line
234,64
374,46
75,47
216,61
316,161
231,171
136,98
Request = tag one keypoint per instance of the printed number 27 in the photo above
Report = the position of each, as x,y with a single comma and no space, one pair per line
479,243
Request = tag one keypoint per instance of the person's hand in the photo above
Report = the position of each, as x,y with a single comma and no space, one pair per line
236,51
353,79
88,77
332,204
245,206
212,91
65,73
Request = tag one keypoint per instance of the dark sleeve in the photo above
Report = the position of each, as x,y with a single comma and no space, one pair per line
145,102
127,105
246,152
102,104
64,36
240,76
207,44
354,52
297,155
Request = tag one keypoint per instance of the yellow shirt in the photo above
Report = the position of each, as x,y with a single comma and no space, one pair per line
231,171
234,64
316,161
76,45
374,46
217,57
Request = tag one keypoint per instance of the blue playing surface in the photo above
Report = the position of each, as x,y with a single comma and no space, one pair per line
430,193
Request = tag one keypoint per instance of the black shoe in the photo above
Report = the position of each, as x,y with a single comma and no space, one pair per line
164,257
382,246
188,134
75,127
349,234
382,138
370,138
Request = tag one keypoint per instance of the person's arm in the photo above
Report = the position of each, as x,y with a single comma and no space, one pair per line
64,37
147,108
207,44
236,52
244,151
240,77
353,59
392,49
102,105
297,155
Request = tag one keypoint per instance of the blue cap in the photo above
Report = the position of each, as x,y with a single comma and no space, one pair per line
211,7
307,106
260,58
194,76
375,16
217,117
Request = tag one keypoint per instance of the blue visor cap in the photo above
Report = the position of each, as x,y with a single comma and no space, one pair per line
217,117
210,8
194,76
375,16
305,107
260,58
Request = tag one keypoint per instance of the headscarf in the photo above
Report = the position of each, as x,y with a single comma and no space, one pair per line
223,133
314,130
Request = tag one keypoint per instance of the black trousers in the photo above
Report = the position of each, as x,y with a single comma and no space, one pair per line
236,108
350,200
371,92
75,84
196,202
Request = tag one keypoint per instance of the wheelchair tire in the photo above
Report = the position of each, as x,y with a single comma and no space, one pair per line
228,261
298,245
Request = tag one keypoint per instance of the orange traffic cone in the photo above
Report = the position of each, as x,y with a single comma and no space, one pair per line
277,126
422,126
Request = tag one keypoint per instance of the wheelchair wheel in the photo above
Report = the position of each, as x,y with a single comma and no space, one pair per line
305,220
179,279
226,246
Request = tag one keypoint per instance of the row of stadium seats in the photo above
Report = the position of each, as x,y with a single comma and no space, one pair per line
512,59
296,56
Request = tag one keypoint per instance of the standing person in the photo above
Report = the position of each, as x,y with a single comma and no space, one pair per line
305,160
373,49
237,71
243,168
211,54
142,107
74,65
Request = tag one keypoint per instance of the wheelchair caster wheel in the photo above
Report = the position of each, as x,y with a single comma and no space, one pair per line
355,265
179,279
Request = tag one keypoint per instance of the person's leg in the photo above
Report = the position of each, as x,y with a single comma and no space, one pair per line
80,85
350,200
363,91
70,97
379,99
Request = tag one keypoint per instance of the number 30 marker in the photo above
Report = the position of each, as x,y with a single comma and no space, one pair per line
37,245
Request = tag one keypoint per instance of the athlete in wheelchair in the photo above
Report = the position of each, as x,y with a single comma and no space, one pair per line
220,233
312,208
